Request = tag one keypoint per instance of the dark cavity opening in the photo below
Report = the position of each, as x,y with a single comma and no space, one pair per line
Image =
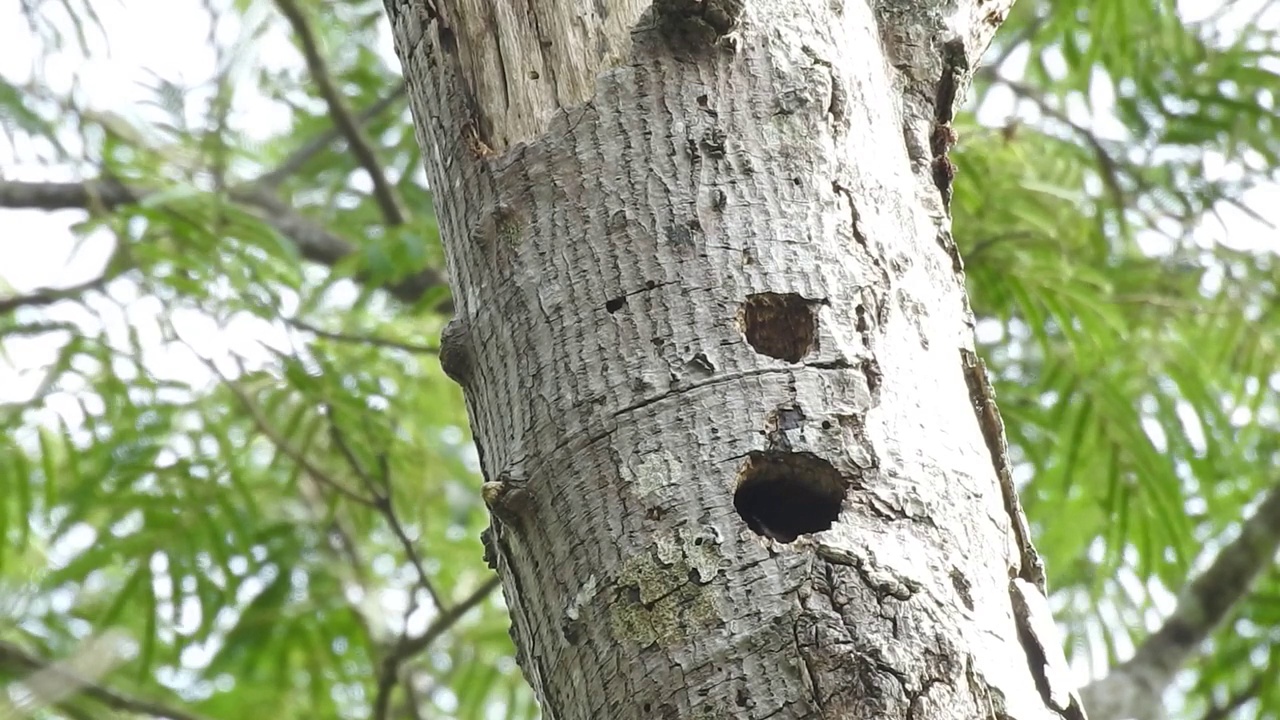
614,305
782,326
786,495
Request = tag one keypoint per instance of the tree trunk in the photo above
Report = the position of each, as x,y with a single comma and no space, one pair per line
713,335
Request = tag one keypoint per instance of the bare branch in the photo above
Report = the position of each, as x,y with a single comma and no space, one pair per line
1252,213
91,195
314,242
264,427
1009,45
408,647
360,339
49,296
68,675
1207,599
447,619
1204,603
1236,699
383,191
384,504
1108,167
313,147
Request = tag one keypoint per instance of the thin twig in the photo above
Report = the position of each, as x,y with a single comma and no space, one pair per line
383,191
407,647
447,618
1028,31
360,339
1251,212
282,443
314,242
1235,700
380,488
986,244
49,296
13,656
318,144
1109,168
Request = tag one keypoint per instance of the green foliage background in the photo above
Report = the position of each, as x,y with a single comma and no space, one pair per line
241,452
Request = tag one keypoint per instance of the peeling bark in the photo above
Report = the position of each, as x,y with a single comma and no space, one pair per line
709,326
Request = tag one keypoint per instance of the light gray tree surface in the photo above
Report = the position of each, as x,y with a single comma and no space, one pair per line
235,481
712,331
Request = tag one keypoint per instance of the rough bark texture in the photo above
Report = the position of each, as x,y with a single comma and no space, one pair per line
706,302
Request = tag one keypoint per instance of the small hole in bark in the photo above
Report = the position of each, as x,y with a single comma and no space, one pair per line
786,495
448,42
780,326
533,75
615,304
826,424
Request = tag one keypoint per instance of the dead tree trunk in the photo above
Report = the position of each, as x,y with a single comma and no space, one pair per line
714,339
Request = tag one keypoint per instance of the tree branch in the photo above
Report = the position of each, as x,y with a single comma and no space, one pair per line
318,144
1008,46
67,678
314,242
282,443
383,191
380,488
49,296
1136,685
1236,700
1207,599
1108,166
407,646
360,339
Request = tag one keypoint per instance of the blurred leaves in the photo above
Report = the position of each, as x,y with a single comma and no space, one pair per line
1133,334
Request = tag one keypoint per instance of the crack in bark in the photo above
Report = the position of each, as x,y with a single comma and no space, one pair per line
1030,566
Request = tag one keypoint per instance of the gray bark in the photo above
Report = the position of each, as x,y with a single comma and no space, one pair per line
706,300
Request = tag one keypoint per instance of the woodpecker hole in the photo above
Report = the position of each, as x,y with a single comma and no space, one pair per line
783,326
786,495
614,305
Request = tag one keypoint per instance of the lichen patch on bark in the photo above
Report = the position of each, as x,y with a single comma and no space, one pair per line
661,596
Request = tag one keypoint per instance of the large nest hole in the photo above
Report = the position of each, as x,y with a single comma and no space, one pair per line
786,495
